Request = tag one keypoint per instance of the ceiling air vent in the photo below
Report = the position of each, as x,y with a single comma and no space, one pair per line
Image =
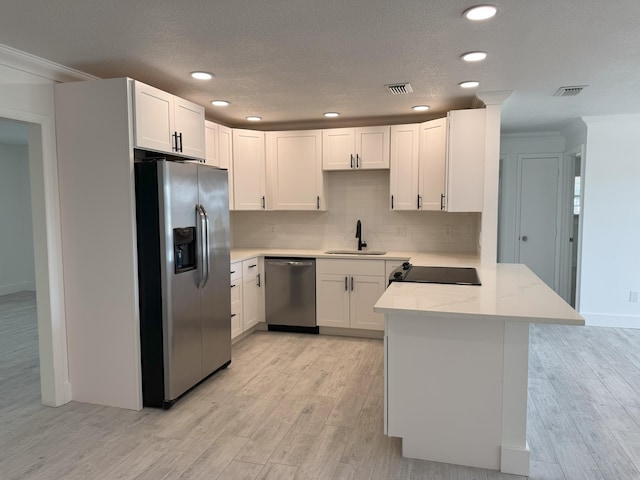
569,91
399,88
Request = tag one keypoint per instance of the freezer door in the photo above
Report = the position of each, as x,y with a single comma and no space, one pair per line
215,294
178,194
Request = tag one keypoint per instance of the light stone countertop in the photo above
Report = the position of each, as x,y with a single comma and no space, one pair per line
238,254
508,292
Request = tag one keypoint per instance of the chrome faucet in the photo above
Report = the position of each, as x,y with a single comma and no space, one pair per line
359,235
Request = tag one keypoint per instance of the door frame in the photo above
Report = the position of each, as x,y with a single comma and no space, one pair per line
567,172
55,389
559,218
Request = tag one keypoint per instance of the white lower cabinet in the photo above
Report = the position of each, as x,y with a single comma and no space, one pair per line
237,325
246,295
251,292
346,291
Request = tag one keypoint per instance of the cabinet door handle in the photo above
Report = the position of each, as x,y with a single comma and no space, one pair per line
352,160
346,284
352,284
357,160
233,271
175,141
180,137
391,202
233,315
418,202
318,202
442,201
258,280
263,203
252,266
233,285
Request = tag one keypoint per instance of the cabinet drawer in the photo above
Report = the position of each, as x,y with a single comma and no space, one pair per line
237,323
250,268
236,271
236,294
350,267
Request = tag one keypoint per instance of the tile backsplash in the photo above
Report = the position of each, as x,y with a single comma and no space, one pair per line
359,195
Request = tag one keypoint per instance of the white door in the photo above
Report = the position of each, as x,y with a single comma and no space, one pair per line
249,170
189,125
153,118
332,300
338,149
404,167
433,160
365,292
295,164
537,239
372,147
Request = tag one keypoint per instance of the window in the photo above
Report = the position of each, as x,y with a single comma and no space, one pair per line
576,196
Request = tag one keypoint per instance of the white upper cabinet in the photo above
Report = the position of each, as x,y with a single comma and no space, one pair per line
211,149
465,161
355,148
449,173
225,155
404,166
249,170
433,160
294,163
166,123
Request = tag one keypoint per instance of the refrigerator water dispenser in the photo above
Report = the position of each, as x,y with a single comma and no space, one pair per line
184,249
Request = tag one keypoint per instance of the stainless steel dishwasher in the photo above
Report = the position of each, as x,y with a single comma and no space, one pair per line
290,294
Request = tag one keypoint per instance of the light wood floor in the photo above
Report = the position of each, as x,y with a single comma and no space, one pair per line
295,406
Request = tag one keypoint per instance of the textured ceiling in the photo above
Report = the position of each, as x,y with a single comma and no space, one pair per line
289,61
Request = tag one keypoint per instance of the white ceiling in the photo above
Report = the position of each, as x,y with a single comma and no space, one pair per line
291,60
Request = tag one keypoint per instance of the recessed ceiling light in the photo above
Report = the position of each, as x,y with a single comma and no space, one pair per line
480,12
474,56
471,84
421,108
331,114
219,103
253,118
202,75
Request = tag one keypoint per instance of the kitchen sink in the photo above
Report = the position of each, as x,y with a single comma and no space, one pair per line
355,252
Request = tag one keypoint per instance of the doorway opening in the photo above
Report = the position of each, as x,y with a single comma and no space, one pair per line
575,188
19,351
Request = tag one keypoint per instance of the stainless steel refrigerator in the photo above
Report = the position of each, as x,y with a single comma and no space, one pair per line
182,212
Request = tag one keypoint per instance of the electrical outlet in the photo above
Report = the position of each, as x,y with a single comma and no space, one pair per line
271,228
633,296
448,230
401,231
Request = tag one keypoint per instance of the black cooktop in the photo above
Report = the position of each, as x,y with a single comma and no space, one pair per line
444,275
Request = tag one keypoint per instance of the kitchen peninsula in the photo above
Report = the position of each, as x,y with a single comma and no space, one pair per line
456,364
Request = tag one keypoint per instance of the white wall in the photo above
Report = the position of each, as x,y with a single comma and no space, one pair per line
511,146
16,234
26,94
361,195
611,230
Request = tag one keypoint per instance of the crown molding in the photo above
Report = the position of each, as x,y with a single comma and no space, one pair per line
41,67
492,98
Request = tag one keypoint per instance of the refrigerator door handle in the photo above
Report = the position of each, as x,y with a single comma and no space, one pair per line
207,246
200,254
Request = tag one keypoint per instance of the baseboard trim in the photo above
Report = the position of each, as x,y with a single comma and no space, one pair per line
352,332
515,460
613,321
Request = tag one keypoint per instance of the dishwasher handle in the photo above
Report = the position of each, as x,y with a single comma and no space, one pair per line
291,263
